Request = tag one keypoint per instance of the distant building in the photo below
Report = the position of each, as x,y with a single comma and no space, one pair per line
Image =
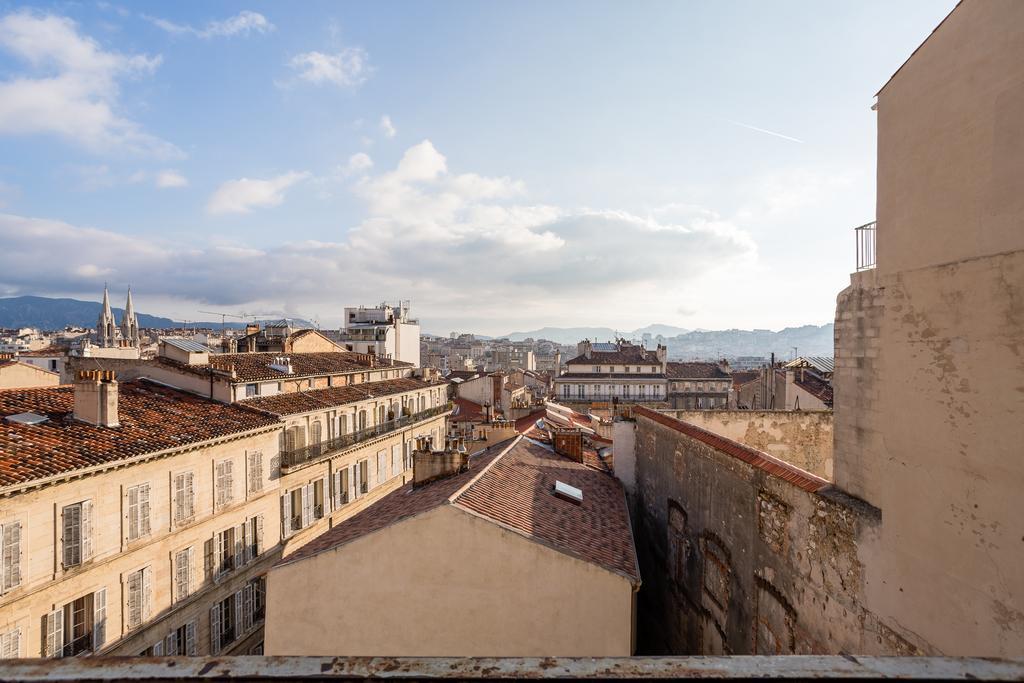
697,385
613,372
15,372
454,563
387,331
111,340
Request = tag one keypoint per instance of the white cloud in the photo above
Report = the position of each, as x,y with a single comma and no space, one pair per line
243,24
170,178
245,194
387,127
75,90
466,246
348,68
358,164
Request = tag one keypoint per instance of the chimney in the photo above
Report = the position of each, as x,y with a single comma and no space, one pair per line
96,398
429,465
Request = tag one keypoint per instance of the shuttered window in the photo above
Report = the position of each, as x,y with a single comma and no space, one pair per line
10,644
184,574
184,498
224,483
255,478
10,556
138,511
138,598
341,485
76,534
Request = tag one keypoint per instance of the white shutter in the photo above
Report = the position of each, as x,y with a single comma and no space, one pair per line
147,593
190,639
180,578
55,634
171,648
337,489
191,569
325,488
158,648
286,515
212,553
259,534
86,530
307,505
215,620
190,496
246,618
133,513
10,644
353,488
229,482
238,615
10,556
144,510
240,554
99,619
179,498
134,606
218,483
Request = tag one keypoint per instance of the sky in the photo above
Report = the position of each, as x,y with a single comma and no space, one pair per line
503,166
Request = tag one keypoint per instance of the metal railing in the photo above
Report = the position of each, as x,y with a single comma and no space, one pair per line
313,452
865,245
607,397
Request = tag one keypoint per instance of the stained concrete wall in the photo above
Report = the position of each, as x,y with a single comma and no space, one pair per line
929,411
803,438
447,583
738,561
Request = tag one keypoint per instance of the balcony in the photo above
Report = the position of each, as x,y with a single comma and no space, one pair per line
314,452
865,246
615,398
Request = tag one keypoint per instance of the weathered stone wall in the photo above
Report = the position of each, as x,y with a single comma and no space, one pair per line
737,560
802,438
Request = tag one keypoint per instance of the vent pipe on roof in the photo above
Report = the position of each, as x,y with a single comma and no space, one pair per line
96,398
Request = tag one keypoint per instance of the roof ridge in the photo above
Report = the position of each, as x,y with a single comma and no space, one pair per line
465,487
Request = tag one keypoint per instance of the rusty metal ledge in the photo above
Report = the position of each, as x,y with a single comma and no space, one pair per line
403,668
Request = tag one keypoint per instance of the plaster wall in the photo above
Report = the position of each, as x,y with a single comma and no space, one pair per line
447,583
21,375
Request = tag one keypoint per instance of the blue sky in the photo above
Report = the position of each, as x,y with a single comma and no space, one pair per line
504,166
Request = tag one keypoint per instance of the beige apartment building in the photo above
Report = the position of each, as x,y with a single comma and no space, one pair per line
139,518
616,372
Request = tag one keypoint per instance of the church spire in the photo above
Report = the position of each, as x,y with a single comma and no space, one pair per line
105,325
130,323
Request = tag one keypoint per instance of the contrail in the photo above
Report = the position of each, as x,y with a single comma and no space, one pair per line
762,130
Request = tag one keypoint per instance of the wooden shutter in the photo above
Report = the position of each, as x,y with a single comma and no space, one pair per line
133,513
10,644
144,510
229,481
147,593
325,487
337,489
259,534
86,530
71,529
10,556
246,618
353,488
181,577
99,619
286,515
241,557
218,483
134,599
238,615
179,498
190,495
172,647
53,630
191,571
190,639
215,621
210,557
158,648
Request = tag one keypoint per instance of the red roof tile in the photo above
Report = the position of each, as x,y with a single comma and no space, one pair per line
695,370
152,418
253,367
316,399
770,464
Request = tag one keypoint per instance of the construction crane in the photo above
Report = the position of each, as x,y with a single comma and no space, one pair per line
242,316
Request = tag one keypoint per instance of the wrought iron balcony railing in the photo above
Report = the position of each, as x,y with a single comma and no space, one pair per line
313,452
607,397
865,245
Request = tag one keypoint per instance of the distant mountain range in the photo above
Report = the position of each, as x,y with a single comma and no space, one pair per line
571,335
55,314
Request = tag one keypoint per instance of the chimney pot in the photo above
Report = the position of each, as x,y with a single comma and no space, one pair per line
96,397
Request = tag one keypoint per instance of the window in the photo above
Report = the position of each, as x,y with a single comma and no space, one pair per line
223,490
252,390
597,368
77,627
341,484
10,644
183,570
362,420
10,556
380,414
382,467
222,624
138,598
396,459
184,498
364,476
255,461
315,433
236,614
138,511
611,369
625,368
302,506
181,642
76,539
53,365
342,424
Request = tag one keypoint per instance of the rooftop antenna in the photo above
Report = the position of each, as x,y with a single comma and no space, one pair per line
794,353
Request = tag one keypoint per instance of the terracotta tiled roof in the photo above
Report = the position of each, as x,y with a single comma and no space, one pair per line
625,354
153,418
400,504
814,385
253,367
695,370
467,411
517,492
316,399
772,465
48,351
742,377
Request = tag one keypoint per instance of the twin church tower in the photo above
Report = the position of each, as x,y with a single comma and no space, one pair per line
108,334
